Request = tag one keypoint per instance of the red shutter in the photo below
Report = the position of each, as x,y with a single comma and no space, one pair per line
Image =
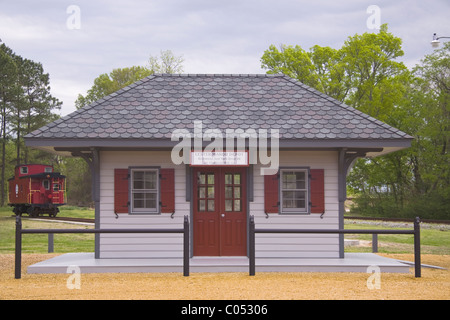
121,190
271,202
317,191
167,186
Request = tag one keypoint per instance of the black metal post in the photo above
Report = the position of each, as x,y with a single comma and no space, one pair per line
18,258
186,247
251,249
417,260
50,243
375,243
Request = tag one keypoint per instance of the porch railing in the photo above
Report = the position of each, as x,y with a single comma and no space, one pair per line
20,232
415,232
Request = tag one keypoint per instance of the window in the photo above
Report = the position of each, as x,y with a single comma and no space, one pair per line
144,191
55,187
23,170
46,184
48,169
233,192
294,190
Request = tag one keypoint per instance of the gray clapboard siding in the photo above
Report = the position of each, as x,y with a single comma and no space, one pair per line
170,245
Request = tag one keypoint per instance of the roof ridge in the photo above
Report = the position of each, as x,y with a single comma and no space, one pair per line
262,75
347,107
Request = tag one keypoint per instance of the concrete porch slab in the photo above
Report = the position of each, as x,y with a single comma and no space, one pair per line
353,262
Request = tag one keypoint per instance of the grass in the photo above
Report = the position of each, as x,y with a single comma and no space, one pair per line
38,243
433,240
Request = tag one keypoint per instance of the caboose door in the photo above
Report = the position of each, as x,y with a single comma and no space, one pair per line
56,191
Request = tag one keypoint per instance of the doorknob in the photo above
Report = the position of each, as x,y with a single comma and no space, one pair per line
223,215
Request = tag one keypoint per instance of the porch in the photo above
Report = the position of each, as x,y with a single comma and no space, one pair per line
353,262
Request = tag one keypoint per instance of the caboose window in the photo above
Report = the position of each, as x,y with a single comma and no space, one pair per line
48,169
55,187
46,184
23,170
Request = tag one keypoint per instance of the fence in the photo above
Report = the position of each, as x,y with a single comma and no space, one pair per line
20,232
415,232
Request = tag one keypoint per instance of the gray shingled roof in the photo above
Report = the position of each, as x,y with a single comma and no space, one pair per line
153,107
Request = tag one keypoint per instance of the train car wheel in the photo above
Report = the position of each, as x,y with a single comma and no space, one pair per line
33,212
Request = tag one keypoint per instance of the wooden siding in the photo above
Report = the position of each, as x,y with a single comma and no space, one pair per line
170,245
140,245
299,245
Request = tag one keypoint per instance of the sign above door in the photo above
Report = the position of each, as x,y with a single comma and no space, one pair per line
222,158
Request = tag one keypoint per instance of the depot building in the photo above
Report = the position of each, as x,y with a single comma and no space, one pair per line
158,152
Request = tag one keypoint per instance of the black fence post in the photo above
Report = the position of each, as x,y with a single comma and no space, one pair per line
374,242
18,258
417,260
251,246
186,247
51,242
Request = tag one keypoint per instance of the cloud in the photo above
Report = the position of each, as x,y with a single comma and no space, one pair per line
213,36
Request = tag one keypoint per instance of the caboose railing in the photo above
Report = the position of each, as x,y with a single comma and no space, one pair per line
20,231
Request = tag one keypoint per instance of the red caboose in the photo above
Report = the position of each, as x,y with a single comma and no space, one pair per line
35,189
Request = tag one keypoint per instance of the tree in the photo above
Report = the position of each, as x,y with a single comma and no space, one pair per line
117,79
167,63
365,74
26,104
8,89
106,84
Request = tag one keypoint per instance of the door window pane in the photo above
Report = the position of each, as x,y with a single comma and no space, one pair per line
237,205
210,205
201,205
229,192
210,192
228,205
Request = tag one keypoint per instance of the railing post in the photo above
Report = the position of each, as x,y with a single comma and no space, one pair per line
186,247
50,243
18,258
251,248
374,242
417,261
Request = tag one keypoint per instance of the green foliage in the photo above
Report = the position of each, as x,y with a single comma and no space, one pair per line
366,75
105,84
25,105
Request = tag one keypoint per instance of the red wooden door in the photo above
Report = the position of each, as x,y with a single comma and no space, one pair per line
220,216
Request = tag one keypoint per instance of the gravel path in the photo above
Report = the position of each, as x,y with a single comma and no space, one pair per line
434,284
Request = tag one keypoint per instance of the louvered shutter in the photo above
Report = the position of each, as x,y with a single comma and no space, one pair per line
121,191
167,185
317,184
271,201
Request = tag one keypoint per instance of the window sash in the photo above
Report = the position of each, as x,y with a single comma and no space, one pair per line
144,191
294,191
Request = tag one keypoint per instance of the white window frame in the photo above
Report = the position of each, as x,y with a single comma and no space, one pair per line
133,191
304,210
23,170
46,184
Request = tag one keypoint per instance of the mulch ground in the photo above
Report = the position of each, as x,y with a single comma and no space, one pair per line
433,285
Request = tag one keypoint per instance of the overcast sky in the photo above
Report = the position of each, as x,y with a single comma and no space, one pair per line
76,44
